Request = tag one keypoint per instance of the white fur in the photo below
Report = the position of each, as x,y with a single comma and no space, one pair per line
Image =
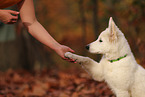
125,77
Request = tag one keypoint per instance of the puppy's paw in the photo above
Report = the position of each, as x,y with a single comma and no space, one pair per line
77,58
68,55
71,56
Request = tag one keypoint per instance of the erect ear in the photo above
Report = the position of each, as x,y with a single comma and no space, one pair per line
113,30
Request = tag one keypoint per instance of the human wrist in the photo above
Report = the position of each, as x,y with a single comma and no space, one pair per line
56,46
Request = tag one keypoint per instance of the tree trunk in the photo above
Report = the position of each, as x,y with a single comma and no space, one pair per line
95,17
83,23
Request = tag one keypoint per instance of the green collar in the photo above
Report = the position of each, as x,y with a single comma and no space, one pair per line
117,59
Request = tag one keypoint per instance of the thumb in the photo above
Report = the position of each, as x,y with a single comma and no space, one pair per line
71,50
14,12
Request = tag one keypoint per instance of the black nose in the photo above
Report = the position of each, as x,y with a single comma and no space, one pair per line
87,47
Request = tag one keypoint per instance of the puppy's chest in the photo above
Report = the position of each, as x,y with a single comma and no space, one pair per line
111,70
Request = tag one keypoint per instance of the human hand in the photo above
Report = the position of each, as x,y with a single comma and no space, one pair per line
8,16
62,50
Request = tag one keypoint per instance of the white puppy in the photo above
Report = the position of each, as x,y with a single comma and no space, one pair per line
117,67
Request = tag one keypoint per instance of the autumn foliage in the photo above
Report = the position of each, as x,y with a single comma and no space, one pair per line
51,83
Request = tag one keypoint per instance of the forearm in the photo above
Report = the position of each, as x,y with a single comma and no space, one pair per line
27,14
38,31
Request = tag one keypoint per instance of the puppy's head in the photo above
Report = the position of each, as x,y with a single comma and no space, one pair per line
108,40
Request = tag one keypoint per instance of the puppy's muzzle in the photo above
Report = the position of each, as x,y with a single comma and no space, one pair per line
87,47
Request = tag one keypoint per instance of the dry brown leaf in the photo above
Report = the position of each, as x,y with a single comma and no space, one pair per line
64,95
75,94
38,91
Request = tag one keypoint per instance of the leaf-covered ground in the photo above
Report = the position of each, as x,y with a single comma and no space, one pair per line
51,83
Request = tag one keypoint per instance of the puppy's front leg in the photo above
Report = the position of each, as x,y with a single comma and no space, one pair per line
91,66
86,61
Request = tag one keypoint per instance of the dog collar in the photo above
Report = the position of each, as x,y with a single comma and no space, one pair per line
117,59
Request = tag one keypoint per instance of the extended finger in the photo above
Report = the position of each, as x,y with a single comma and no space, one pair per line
71,50
14,12
14,17
70,60
12,22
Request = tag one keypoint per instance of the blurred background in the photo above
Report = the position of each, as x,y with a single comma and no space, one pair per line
74,23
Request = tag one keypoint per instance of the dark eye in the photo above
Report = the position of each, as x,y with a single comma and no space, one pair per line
100,40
